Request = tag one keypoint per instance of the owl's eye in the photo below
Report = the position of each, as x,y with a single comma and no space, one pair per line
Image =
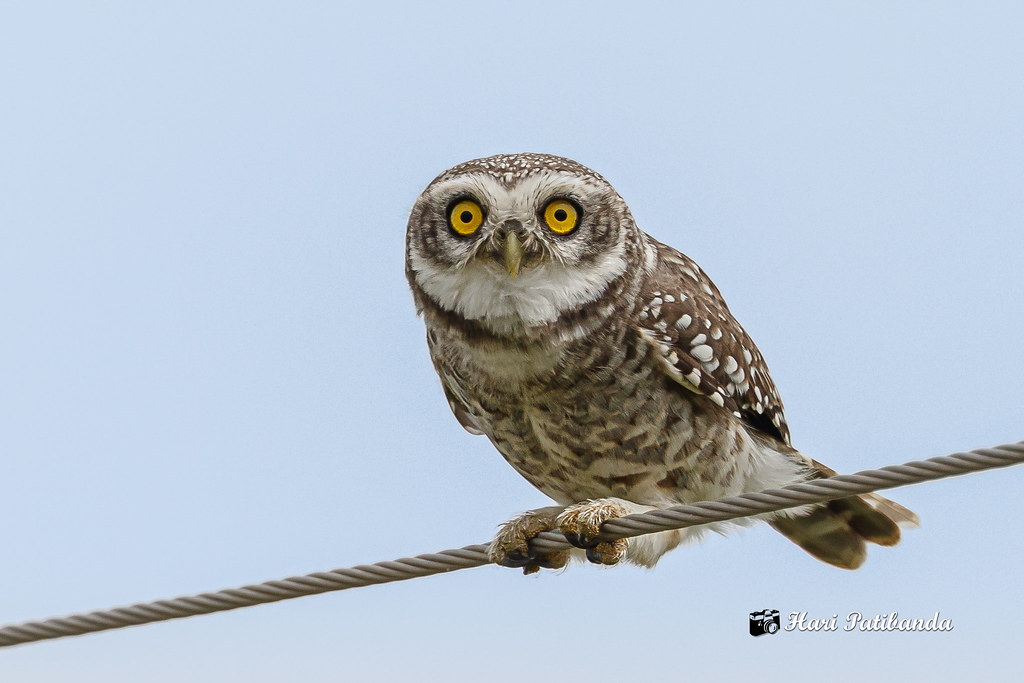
561,216
465,217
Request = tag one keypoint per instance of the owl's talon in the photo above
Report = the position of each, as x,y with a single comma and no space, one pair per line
581,525
511,546
515,559
580,541
607,553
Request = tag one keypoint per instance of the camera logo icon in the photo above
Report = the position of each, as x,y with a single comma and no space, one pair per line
765,621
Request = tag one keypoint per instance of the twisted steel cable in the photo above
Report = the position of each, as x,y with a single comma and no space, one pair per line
723,509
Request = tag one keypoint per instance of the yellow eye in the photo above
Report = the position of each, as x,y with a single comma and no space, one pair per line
465,217
561,216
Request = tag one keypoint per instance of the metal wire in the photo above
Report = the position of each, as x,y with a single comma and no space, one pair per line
720,510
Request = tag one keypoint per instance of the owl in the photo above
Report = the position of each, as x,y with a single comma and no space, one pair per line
604,366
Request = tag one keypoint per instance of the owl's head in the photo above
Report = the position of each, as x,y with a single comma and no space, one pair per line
518,238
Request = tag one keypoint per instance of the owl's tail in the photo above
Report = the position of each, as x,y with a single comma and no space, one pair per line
837,532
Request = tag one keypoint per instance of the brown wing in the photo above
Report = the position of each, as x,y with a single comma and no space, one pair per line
449,383
703,347
462,413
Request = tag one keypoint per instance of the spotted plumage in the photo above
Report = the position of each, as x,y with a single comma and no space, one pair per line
705,349
603,365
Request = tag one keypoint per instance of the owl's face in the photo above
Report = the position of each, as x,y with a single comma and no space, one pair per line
519,237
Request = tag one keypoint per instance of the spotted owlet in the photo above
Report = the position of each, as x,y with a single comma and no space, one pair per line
603,365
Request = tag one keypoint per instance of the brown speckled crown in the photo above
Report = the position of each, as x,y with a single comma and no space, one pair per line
510,168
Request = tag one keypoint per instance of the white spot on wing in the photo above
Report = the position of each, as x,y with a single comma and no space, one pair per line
702,352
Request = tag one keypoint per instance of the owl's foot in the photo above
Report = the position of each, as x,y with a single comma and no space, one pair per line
511,545
581,523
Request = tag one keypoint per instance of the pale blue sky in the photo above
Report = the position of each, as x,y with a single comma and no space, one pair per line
211,372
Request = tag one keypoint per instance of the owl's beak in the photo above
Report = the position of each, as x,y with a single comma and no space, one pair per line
513,254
